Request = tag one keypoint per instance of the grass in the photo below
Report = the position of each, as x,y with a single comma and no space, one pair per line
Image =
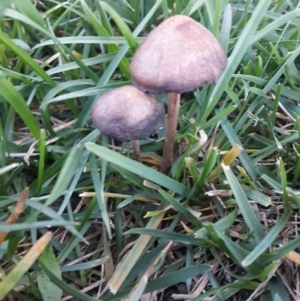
96,225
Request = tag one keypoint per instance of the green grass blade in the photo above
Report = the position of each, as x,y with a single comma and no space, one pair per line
137,168
237,54
226,27
208,167
100,194
26,58
243,204
124,64
121,25
49,290
16,100
283,177
84,266
179,276
65,176
244,157
278,290
69,289
219,116
178,237
33,225
180,208
268,239
220,225
123,50
235,251
281,251
28,9
42,150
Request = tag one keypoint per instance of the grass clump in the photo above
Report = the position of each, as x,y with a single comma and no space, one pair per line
96,225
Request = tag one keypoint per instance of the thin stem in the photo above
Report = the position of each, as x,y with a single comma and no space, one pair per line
136,150
173,110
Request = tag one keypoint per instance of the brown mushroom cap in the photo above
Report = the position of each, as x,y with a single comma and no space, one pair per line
127,113
180,55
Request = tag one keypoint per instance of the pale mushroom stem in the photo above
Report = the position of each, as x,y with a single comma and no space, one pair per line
171,127
136,150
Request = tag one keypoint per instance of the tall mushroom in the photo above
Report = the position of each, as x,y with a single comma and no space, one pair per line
127,113
180,55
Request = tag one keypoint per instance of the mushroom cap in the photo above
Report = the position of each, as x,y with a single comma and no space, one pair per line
180,55
127,113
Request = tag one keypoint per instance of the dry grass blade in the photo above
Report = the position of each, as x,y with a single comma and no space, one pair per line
229,158
293,256
134,294
18,209
132,257
8,282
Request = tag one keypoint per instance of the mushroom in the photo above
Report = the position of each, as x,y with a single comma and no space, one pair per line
127,113
180,55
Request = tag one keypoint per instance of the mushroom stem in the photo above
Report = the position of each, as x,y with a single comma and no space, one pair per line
171,127
136,150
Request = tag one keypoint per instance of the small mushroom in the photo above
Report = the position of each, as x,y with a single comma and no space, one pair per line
127,113
180,55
